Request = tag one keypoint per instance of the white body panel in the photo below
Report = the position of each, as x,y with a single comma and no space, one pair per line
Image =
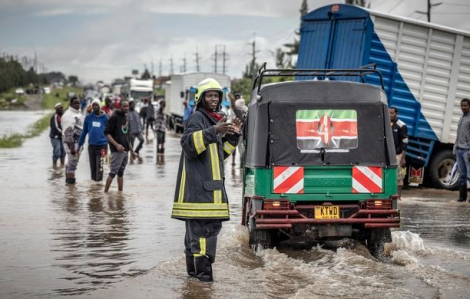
182,82
434,61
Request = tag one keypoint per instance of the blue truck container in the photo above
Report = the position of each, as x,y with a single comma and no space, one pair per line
425,67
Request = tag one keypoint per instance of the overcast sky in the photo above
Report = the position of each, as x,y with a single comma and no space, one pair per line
106,39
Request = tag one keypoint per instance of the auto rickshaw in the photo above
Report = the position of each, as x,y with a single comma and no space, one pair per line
320,162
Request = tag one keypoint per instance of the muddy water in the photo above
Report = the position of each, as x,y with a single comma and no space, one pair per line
57,240
17,121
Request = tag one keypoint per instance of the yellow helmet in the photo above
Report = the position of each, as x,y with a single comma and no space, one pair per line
208,84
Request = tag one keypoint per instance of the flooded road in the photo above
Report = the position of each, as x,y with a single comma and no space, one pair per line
57,240
12,122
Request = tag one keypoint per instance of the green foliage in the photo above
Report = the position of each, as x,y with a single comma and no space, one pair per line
242,86
11,141
16,140
72,79
13,75
58,95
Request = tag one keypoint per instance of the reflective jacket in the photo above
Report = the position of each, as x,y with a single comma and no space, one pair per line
200,191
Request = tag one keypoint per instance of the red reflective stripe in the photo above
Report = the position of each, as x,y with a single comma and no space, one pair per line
291,181
278,170
365,181
377,171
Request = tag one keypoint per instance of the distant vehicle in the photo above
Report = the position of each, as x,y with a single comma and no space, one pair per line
46,90
182,88
136,90
19,91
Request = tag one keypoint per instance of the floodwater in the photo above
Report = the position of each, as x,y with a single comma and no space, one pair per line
76,241
17,121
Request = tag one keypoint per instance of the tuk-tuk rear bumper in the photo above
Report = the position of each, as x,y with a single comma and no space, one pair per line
276,219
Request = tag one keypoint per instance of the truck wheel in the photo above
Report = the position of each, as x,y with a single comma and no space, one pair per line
260,237
376,249
440,171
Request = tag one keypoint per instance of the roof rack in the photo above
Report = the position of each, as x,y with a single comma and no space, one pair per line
359,72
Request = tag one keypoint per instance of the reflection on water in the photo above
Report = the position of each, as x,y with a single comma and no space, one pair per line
91,238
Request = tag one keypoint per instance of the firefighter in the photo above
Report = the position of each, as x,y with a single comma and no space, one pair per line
200,197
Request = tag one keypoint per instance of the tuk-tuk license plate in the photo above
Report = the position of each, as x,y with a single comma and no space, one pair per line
326,212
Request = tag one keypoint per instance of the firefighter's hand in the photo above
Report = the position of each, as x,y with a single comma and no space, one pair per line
238,124
223,128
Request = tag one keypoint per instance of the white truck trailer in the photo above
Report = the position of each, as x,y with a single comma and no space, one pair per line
182,88
426,69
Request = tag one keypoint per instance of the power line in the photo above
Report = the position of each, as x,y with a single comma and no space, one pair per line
428,12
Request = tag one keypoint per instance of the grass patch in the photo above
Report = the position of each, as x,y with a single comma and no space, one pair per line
58,95
16,140
11,100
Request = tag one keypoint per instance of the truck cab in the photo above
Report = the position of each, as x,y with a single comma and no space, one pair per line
319,162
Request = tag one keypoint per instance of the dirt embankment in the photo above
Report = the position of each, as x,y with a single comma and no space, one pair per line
33,102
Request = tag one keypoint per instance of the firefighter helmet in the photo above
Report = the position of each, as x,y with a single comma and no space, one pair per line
208,84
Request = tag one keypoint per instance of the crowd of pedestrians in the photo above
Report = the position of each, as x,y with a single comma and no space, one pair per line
113,130
110,129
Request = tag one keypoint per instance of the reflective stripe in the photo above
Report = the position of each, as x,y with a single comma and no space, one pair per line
215,170
202,246
200,214
182,183
228,147
200,206
218,196
198,142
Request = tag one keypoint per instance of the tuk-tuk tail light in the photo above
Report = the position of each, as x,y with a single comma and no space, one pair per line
276,204
377,204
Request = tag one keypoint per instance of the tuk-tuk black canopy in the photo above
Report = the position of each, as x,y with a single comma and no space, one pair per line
271,134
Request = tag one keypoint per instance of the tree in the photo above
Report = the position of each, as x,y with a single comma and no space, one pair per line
146,75
72,79
293,48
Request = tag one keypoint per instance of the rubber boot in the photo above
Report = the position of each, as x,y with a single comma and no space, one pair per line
62,162
70,178
203,268
190,266
462,193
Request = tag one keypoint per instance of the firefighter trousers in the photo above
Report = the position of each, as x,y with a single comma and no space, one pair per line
201,238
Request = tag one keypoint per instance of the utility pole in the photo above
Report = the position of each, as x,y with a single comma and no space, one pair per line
428,12
253,66
197,60
151,65
224,59
215,60
171,66
160,73
220,51
184,64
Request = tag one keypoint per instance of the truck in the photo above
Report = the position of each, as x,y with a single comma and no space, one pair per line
138,89
425,68
181,88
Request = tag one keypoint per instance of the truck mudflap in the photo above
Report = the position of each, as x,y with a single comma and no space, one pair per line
371,214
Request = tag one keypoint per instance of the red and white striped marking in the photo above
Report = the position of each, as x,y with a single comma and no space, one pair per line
367,179
288,179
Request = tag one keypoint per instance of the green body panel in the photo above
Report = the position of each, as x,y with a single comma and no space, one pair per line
332,183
